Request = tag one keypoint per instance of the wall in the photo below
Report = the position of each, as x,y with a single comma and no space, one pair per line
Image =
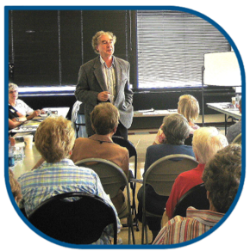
47,48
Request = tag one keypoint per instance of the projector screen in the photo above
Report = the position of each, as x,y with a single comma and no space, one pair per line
221,69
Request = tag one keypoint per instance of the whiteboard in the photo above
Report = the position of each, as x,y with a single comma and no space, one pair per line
221,69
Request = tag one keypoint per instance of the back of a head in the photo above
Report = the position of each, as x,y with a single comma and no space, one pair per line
222,177
189,107
176,129
55,138
206,142
104,118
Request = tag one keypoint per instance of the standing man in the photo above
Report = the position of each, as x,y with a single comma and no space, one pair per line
106,79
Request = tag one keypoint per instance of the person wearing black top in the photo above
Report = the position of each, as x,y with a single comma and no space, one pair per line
15,118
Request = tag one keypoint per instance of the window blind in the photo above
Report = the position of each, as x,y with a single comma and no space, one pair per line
171,47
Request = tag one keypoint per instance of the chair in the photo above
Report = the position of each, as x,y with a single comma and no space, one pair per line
196,197
161,176
113,179
132,153
77,119
237,139
78,221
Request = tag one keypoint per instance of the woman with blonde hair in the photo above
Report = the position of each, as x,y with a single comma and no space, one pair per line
54,140
189,107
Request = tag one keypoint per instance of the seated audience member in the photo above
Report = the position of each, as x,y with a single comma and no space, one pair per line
15,118
206,142
176,130
15,187
235,129
189,107
54,139
104,120
224,166
20,105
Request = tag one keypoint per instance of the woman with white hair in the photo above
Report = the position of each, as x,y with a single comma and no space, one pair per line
20,105
206,142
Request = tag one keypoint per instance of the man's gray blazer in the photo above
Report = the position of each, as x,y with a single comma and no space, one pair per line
91,82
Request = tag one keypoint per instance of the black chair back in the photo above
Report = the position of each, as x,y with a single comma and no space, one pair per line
76,218
132,153
125,143
195,197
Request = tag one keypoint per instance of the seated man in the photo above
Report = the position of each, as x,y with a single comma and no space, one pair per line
226,166
104,120
176,130
54,139
234,130
206,142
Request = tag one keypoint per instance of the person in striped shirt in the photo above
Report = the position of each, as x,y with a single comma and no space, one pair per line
54,139
226,166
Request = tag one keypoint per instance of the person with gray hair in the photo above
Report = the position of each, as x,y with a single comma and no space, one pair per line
189,107
106,79
206,142
20,105
176,130
221,178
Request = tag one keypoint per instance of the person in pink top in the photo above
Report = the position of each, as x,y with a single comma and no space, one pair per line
206,142
189,107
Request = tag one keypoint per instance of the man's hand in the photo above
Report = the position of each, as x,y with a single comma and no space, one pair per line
103,96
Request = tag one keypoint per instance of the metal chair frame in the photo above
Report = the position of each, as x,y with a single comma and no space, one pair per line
161,176
112,178
132,153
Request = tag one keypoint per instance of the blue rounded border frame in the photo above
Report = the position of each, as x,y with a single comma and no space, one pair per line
176,8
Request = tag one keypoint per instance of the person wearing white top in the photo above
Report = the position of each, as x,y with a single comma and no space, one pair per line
20,105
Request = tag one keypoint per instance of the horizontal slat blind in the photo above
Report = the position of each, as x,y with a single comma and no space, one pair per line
171,48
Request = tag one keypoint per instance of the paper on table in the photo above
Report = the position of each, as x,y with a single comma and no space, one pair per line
31,124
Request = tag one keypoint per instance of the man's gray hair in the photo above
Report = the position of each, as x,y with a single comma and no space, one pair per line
97,36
